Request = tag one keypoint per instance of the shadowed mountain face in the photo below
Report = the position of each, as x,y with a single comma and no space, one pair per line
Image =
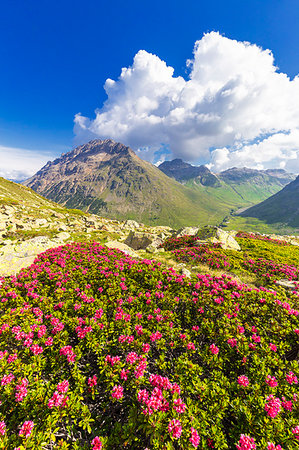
282,207
109,179
182,171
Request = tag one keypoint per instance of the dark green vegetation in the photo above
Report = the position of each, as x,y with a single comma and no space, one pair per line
282,207
102,351
108,178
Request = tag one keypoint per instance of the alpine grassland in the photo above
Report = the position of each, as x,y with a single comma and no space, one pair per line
103,351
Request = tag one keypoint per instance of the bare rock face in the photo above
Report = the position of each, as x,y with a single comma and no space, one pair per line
138,241
17,256
216,235
123,247
142,241
191,231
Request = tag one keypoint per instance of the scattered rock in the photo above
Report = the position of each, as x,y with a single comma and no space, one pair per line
131,224
191,231
286,284
123,247
216,235
63,235
15,256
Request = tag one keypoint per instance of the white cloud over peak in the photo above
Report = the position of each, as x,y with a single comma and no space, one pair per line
19,163
234,96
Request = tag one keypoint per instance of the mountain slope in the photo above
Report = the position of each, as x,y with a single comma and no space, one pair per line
182,171
237,187
108,178
283,207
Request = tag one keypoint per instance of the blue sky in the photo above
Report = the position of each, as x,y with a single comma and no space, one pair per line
56,56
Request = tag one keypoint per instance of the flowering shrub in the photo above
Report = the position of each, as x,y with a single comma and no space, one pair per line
179,242
267,259
99,350
244,235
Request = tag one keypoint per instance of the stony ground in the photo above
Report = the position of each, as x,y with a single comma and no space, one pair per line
26,233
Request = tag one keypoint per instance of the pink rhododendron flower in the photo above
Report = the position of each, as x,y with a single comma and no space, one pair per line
273,347
295,432
272,406
146,348
26,429
195,438
243,380
272,446
96,443
117,392
246,443
63,386
179,405
232,342
174,428
92,381
271,381
2,428
291,378
214,349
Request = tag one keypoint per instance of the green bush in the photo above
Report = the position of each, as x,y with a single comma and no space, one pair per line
99,350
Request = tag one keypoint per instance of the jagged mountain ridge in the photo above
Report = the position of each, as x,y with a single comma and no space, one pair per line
108,178
237,186
282,207
182,171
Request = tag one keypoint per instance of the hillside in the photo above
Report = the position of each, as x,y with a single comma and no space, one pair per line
97,344
237,187
126,324
283,207
108,178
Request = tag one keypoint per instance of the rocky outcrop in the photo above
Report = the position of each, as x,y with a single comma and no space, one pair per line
190,231
15,256
142,241
123,247
216,235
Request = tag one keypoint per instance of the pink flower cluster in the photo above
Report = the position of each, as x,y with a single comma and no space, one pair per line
246,443
26,429
291,378
117,392
195,438
175,428
214,349
271,381
272,406
97,443
58,399
69,353
243,380
21,390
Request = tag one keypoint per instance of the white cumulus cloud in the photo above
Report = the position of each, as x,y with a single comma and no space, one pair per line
19,163
235,108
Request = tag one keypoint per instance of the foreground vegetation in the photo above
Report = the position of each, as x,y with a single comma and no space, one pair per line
99,350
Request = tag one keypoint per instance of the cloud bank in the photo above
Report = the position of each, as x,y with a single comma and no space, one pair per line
19,164
235,108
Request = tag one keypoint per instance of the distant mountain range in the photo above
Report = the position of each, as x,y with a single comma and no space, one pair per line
109,179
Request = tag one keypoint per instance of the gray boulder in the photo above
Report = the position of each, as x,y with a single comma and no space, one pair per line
216,235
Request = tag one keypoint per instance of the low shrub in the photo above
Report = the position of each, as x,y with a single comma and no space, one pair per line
99,350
